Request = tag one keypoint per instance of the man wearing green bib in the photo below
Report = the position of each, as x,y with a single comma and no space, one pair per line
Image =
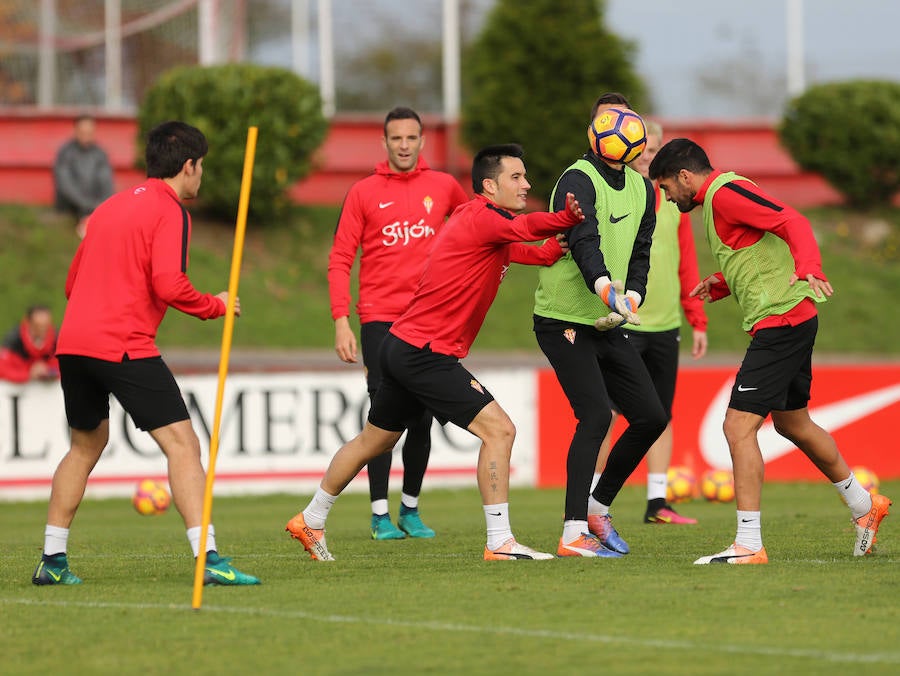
593,365
770,263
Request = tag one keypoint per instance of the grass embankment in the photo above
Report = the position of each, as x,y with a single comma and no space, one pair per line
284,291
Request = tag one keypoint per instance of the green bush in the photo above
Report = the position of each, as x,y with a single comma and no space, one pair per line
849,132
223,102
532,75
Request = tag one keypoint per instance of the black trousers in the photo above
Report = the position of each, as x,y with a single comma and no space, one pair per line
593,367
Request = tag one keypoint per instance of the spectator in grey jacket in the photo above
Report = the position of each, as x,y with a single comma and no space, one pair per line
82,174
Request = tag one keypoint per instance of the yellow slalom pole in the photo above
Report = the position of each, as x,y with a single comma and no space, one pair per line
227,332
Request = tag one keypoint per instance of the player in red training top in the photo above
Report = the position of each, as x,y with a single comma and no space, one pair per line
420,355
770,264
130,267
393,216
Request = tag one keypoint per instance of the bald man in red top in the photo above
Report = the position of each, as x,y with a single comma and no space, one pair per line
129,269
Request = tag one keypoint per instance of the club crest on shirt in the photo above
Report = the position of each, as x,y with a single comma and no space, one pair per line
428,203
570,335
476,385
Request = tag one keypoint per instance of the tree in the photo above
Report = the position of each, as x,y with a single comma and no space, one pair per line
533,74
223,101
849,132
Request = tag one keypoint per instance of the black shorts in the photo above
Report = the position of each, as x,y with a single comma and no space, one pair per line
776,373
659,351
145,388
415,379
371,335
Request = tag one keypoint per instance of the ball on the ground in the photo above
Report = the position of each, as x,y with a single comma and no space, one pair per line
867,479
617,134
681,484
717,485
151,497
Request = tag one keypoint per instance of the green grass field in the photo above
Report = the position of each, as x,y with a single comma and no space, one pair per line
434,607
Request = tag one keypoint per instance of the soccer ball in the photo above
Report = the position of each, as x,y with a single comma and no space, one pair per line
617,134
867,479
717,485
150,498
681,484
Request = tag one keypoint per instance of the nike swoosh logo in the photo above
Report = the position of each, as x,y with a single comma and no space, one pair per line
746,520
741,388
831,417
616,219
226,576
384,205
497,514
848,485
49,572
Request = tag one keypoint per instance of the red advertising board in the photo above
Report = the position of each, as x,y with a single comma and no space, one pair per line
858,404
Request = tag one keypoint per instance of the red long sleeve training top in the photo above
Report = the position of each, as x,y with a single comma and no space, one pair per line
394,217
469,260
127,271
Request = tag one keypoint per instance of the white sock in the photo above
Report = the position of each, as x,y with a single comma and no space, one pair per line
749,532
317,510
854,495
410,501
656,486
378,507
498,528
572,530
595,507
56,540
193,536
595,481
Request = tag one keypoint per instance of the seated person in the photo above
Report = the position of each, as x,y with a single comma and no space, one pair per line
28,351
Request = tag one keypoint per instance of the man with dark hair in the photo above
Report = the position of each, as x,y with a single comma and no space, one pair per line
577,322
420,356
82,174
607,100
129,269
770,263
393,217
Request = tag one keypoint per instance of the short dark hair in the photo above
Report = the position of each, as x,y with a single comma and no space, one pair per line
678,154
488,163
170,145
614,98
401,113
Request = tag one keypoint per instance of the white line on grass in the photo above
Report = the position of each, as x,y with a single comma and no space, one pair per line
823,656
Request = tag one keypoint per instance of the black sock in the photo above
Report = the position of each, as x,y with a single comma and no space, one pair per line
655,505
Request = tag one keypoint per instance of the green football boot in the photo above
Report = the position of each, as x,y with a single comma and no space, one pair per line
384,529
220,571
411,523
54,570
